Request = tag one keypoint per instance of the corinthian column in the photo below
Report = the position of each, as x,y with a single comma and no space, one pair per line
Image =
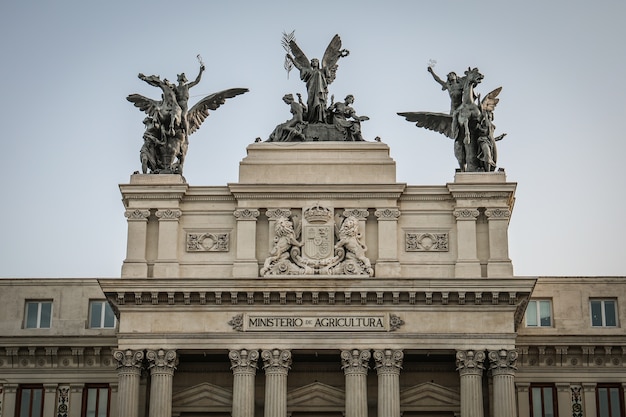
388,365
128,374
355,365
243,364
502,365
162,366
276,365
469,363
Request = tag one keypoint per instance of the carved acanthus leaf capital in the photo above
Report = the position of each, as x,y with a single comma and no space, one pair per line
276,361
502,361
168,214
470,362
466,214
162,360
137,215
388,361
246,214
243,361
355,361
128,358
390,214
498,213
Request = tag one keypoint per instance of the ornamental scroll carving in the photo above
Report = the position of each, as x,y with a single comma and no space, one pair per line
498,213
318,243
466,214
162,360
470,362
502,361
355,362
387,214
426,242
388,361
137,214
243,361
128,358
168,214
246,214
276,361
208,242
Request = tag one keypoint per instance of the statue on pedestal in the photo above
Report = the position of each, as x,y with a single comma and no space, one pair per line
469,123
170,122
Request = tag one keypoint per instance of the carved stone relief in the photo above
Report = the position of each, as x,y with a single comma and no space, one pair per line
426,241
208,242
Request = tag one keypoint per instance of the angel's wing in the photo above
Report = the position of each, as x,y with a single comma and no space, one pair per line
200,111
333,52
298,55
145,104
490,100
438,122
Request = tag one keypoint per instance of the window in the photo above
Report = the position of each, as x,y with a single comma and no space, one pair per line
30,401
603,313
101,315
38,314
609,400
539,313
96,398
542,401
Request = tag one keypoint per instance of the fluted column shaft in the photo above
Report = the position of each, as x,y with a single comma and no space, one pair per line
129,375
243,364
502,365
355,366
276,364
469,363
162,366
388,365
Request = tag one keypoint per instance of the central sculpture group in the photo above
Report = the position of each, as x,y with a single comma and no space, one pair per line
170,121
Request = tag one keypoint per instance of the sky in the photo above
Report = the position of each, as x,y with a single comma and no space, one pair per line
70,137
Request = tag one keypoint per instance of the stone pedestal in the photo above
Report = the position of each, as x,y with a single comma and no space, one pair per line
243,364
469,363
276,365
162,366
355,366
388,365
129,374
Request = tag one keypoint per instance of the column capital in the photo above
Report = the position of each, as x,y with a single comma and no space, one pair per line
162,361
246,214
274,214
359,214
276,361
388,361
168,214
470,362
390,214
503,362
498,213
466,214
355,361
128,360
243,362
137,215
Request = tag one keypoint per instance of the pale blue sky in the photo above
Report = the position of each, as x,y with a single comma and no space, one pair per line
70,137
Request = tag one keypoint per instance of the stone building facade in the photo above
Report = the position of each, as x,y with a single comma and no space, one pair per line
317,285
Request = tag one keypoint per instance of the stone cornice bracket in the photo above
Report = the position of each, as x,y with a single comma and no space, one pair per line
137,215
498,213
276,361
246,214
274,214
502,361
359,214
470,362
388,361
243,362
355,362
168,214
389,214
162,361
466,214
129,360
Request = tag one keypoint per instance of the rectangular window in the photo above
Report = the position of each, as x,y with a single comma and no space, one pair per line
603,313
539,313
543,401
96,399
30,401
609,400
38,315
101,315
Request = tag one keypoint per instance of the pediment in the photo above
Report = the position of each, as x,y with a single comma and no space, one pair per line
429,396
203,396
316,396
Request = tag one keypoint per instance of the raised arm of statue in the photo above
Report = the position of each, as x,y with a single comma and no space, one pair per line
197,80
444,85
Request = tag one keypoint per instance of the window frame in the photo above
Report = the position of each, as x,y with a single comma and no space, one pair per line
103,307
19,412
555,405
620,397
602,302
85,399
38,313
536,302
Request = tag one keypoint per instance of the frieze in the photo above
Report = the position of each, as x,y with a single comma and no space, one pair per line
250,322
208,242
426,241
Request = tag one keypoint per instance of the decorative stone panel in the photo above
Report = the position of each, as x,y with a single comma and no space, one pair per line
208,241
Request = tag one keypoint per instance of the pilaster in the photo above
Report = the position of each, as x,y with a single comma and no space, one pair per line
469,363
76,398
523,399
10,400
135,265
244,365
162,364
128,373
503,366
388,366
589,399
564,399
166,265
355,364
246,264
467,264
387,264
499,265
49,397
276,364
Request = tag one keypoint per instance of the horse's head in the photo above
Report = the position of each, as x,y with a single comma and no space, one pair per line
473,76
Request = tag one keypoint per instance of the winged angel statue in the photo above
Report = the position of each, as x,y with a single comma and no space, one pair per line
169,122
470,122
